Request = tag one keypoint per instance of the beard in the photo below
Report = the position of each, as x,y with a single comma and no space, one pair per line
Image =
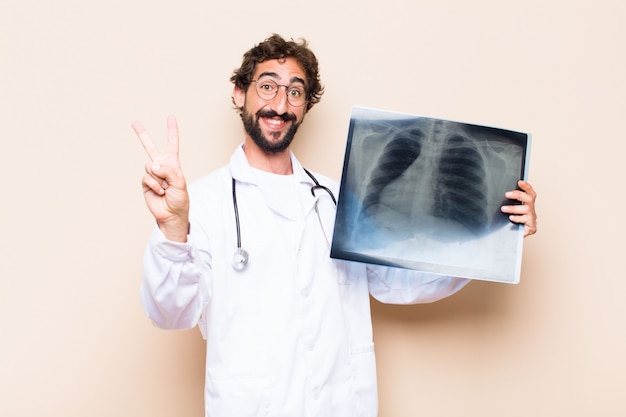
253,129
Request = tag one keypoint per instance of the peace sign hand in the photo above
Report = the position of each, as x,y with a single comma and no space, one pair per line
164,185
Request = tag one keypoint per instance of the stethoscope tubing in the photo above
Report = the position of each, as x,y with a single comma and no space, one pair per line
236,209
240,257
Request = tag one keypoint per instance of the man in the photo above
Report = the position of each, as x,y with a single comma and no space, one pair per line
244,254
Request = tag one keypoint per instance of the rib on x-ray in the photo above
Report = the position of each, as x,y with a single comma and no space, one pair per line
399,153
461,186
426,193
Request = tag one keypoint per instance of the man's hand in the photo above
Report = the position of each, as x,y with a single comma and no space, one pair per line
164,185
523,213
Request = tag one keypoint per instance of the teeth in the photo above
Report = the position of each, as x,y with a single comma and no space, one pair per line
275,122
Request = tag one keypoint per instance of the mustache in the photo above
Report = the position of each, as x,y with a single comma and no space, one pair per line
271,113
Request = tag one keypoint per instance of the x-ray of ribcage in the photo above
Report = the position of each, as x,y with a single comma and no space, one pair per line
425,194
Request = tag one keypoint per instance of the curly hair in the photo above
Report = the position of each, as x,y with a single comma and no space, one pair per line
275,47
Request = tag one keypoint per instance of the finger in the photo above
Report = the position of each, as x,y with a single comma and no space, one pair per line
527,188
529,230
519,218
172,136
149,183
516,209
158,173
520,196
524,216
526,221
147,143
530,226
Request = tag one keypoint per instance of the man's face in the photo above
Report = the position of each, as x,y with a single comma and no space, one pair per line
272,123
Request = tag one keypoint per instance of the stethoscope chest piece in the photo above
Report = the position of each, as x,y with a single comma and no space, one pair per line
240,259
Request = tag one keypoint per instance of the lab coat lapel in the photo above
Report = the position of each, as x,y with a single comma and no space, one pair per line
241,171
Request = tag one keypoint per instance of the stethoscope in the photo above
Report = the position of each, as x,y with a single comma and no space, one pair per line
241,256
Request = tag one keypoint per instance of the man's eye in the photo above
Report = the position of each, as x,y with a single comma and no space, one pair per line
267,87
296,92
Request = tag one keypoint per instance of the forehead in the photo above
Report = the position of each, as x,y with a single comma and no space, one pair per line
284,70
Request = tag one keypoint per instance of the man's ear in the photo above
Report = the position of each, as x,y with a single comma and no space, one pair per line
239,97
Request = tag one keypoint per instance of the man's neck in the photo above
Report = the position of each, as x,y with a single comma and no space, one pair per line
276,163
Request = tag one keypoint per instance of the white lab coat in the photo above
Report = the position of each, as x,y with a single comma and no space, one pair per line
291,335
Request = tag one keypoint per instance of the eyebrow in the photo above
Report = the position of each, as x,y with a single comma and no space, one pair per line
275,75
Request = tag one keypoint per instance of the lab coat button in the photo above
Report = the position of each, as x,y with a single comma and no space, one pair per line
305,291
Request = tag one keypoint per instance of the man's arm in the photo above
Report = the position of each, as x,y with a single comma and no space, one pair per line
171,285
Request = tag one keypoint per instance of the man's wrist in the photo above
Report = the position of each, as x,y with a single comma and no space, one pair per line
175,230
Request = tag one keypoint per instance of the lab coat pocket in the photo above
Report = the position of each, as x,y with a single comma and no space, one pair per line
237,394
363,364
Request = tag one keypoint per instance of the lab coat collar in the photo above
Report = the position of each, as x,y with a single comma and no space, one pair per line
242,171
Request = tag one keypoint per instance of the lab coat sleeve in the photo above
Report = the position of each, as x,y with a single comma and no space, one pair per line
404,286
173,291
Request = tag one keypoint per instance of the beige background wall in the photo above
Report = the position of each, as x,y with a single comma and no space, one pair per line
74,74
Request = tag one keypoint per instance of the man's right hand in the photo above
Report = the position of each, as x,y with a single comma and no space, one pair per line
164,185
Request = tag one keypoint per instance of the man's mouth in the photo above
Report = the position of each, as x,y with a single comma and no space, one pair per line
275,122
274,119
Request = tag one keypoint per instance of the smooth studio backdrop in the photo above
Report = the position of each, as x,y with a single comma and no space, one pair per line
73,225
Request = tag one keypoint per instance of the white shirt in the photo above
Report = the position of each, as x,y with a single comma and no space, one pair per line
290,335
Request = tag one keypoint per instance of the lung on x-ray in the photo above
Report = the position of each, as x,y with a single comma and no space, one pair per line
425,194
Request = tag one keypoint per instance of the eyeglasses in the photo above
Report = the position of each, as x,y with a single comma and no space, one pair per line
267,89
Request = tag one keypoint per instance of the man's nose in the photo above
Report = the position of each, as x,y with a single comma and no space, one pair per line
280,102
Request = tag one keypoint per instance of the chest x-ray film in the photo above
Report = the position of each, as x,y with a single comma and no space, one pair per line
425,194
